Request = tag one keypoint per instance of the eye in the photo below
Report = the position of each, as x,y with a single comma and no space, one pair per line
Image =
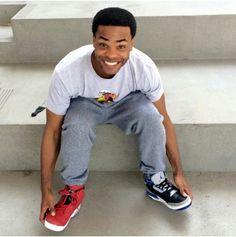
121,47
102,45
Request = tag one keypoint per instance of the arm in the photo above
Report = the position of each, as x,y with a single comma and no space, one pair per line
172,149
49,151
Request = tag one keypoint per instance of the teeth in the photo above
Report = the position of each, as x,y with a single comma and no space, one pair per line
111,63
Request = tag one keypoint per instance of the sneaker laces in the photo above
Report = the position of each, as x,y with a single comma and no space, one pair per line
67,196
166,185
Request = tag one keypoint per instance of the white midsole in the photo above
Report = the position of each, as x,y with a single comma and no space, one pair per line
185,204
60,228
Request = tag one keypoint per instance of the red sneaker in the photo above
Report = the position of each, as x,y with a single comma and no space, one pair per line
67,207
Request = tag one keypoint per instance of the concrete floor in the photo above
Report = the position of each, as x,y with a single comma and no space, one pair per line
115,204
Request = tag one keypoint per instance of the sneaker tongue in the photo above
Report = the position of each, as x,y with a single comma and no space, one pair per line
67,200
158,177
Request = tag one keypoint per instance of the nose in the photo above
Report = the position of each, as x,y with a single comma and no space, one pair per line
111,53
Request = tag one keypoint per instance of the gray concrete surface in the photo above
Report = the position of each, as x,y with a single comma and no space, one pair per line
74,9
200,99
115,204
202,148
8,9
172,29
6,34
201,89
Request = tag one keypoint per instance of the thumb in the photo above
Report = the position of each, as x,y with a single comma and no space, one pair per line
52,210
183,193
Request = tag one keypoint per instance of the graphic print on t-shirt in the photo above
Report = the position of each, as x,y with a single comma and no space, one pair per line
106,97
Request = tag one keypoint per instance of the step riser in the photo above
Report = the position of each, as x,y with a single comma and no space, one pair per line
7,50
188,37
180,37
203,148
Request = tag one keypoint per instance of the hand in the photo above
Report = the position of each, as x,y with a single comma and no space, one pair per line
182,185
47,205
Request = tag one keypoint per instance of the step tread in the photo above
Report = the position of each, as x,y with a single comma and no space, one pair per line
138,8
200,92
197,92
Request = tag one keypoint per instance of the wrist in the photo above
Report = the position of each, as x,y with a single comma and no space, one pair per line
46,189
177,172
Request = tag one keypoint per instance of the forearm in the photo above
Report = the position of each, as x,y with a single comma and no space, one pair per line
172,150
49,153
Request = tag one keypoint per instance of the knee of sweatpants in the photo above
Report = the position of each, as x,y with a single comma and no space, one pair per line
79,115
148,122
78,127
149,114
143,108
81,112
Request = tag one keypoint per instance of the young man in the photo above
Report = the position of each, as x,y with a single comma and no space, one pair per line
107,82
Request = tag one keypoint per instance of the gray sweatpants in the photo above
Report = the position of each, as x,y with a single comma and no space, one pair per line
133,114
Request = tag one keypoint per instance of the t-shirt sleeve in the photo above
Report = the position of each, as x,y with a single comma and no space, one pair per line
58,99
152,84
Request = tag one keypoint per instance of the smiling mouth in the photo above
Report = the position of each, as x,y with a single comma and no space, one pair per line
111,63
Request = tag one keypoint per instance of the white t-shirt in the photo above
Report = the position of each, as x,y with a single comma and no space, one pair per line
74,76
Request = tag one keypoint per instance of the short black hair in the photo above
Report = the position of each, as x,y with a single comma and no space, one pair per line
114,16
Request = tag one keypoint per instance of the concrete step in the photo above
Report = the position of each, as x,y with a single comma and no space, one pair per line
8,46
6,34
174,29
115,204
8,9
199,97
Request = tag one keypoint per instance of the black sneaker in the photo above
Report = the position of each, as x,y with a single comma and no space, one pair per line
159,188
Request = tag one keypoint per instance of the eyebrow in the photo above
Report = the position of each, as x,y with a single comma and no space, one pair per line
118,41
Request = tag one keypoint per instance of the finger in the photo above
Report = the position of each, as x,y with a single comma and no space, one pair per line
43,214
188,192
52,211
183,193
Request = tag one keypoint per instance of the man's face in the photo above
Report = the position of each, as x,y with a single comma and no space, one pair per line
112,47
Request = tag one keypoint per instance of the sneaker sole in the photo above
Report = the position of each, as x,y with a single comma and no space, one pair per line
61,228
176,208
